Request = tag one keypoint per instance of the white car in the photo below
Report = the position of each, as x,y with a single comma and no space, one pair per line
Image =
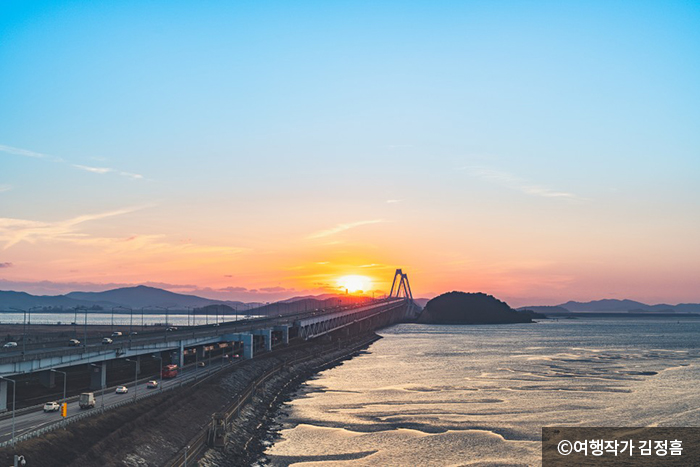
153,384
74,342
52,407
122,390
107,340
9,345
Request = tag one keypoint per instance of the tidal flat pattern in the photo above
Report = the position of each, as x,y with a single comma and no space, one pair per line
479,395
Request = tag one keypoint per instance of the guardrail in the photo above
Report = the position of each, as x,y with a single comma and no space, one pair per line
80,416
198,444
7,413
60,347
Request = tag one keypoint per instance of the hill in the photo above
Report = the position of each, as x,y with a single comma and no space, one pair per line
152,297
614,305
544,309
143,296
470,308
10,299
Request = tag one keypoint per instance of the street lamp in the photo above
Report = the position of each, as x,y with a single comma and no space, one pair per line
24,329
65,378
160,370
189,310
166,308
136,376
13,406
123,308
102,385
29,318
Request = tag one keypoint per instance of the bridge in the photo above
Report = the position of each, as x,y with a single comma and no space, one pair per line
249,336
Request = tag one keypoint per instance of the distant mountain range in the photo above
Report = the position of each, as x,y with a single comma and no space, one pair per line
144,296
151,297
614,305
129,297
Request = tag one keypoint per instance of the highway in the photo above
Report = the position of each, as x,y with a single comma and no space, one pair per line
61,347
33,420
37,419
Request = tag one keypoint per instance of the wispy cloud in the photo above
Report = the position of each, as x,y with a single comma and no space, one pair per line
106,170
517,183
343,227
28,153
5,265
13,231
4,188
38,155
393,201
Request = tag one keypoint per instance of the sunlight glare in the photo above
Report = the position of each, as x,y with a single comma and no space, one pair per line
355,283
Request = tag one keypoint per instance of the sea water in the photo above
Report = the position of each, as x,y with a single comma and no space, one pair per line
479,395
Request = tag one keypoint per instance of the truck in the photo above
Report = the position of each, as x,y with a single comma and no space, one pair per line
87,400
170,371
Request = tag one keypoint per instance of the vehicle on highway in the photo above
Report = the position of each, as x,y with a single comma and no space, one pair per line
153,384
121,390
52,407
169,371
9,345
117,334
107,340
87,400
201,364
74,342
133,333
171,329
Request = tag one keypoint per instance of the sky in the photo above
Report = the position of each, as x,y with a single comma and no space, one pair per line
537,151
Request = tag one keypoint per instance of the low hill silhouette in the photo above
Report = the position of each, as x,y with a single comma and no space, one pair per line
470,308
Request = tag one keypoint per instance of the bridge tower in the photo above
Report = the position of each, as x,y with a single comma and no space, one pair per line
402,285
412,310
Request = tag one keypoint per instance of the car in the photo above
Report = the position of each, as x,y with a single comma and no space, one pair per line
107,340
121,390
74,342
171,329
9,345
116,334
153,384
52,407
133,333
201,364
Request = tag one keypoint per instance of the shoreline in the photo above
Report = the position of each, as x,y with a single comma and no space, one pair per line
254,427
154,431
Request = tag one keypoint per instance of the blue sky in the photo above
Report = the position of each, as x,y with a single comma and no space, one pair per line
242,125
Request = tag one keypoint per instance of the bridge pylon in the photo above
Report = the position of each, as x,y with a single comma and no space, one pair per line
403,285
403,288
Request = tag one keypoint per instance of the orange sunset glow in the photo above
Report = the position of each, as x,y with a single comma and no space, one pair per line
312,174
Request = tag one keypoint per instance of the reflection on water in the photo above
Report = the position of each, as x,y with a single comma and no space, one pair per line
468,395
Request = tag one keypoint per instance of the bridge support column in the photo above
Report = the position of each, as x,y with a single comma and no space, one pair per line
285,333
200,353
3,395
178,357
47,379
98,376
138,365
245,338
267,337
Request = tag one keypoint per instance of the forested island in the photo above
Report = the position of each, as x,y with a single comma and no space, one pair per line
472,308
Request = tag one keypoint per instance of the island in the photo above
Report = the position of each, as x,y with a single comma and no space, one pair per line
472,308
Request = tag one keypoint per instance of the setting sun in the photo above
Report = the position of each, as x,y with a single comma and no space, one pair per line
355,284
